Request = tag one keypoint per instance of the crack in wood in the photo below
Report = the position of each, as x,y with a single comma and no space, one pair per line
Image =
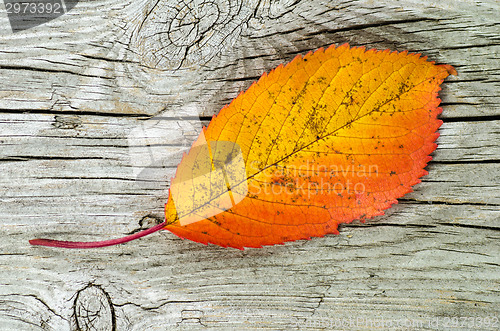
74,112
372,25
486,118
47,70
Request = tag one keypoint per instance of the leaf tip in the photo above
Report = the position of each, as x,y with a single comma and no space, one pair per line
452,71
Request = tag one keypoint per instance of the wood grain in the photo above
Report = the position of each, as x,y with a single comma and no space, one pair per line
74,90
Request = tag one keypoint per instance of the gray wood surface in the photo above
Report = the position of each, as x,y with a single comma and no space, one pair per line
75,91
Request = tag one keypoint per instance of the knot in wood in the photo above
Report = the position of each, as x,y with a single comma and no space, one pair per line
190,33
93,309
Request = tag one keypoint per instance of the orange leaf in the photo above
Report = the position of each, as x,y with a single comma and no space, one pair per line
331,137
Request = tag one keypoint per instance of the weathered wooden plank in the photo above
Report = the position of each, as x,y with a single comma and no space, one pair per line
125,64
387,269
452,183
38,135
74,90
89,169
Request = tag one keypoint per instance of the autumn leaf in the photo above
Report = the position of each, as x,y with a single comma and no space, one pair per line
331,137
